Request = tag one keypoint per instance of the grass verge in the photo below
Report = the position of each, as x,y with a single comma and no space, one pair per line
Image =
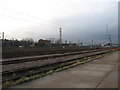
70,64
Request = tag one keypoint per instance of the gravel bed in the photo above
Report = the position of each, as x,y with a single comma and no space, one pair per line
12,67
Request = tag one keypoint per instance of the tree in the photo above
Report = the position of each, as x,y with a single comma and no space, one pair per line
28,40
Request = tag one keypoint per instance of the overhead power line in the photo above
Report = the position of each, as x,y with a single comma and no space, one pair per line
30,21
33,17
25,20
54,24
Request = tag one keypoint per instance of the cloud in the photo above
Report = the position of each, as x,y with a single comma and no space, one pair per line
91,26
79,19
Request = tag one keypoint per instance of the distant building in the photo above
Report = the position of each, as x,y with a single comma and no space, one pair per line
73,45
107,45
15,43
43,43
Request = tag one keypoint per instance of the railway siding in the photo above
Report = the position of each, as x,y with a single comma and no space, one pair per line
35,69
26,65
41,57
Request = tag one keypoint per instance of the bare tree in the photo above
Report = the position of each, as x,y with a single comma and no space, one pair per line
28,39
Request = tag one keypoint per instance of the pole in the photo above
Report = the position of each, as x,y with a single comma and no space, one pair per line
106,29
3,35
106,33
92,43
50,42
110,40
60,36
78,43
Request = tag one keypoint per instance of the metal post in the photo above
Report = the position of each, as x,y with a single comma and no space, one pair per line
61,37
3,35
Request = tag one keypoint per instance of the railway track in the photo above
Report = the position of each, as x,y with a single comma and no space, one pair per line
15,69
11,53
41,57
22,63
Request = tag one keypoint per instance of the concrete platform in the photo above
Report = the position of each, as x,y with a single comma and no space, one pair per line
100,73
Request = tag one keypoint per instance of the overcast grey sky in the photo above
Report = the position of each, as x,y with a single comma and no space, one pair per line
80,19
